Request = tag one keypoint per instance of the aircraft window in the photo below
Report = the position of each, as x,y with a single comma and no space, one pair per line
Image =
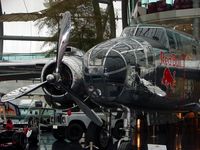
130,58
178,39
114,62
172,42
133,44
150,57
128,32
187,42
156,34
105,45
97,58
122,47
184,43
140,57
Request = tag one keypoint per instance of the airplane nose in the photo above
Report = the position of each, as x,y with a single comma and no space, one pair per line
111,66
105,73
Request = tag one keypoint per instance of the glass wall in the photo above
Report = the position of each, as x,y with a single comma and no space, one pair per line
153,6
146,7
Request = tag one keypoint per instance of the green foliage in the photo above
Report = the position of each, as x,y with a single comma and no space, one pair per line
90,27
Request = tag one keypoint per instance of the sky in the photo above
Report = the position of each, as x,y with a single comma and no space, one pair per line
29,28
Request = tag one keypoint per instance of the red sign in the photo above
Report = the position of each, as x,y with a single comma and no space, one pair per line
172,60
168,79
69,112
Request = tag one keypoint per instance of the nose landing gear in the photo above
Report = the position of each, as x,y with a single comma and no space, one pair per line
125,142
102,137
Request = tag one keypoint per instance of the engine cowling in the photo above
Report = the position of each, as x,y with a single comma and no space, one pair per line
71,77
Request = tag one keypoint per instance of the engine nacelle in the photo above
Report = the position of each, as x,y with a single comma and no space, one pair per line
71,76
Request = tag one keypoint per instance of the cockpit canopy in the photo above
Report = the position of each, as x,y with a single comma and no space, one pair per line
109,61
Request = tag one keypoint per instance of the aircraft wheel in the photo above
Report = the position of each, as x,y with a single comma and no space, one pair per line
59,133
104,140
125,146
75,131
118,131
92,134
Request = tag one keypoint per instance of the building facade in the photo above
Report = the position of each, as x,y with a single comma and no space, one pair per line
181,15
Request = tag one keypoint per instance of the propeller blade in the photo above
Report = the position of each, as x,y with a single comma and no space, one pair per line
21,92
65,28
90,113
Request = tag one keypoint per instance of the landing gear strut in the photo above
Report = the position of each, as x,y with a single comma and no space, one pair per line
99,137
125,142
105,137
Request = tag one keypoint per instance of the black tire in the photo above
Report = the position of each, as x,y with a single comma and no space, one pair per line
92,134
19,139
60,133
104,140
125,146
114,147
33,139
75,131
117,132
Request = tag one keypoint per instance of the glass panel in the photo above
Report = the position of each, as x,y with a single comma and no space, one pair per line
128,32
156,34
171,39
114,62
96,59
130,58
141,60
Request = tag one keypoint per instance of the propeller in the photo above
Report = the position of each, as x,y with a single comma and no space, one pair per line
90,113
65,28
21,92
55,78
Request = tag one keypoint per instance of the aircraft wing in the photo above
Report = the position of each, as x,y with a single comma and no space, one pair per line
21,70
192,107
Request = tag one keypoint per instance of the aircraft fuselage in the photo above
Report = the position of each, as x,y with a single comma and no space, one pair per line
148,67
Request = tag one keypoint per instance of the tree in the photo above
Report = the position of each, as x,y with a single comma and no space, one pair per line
124,13
91,23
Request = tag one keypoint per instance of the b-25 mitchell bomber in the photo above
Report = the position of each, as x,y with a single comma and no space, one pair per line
148,68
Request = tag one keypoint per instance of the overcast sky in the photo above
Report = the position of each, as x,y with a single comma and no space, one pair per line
29,28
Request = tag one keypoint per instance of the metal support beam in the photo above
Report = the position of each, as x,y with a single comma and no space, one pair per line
1,34
26,38
106,1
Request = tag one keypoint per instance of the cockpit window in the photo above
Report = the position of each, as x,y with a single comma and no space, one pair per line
156,34
114,62
171,38
97,57
128,32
